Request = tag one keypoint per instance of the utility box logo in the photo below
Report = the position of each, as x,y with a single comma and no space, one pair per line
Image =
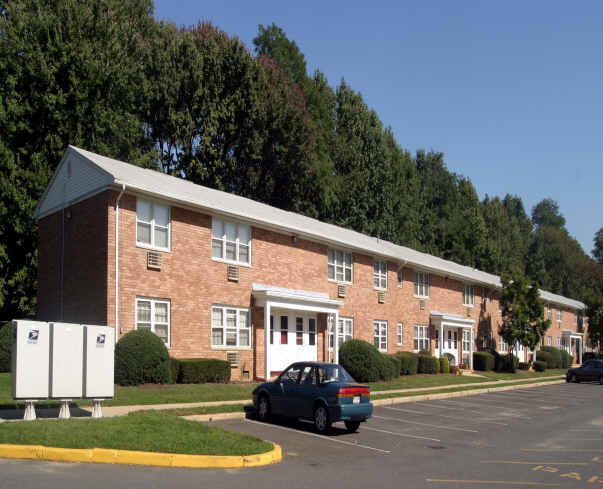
100,340
33,335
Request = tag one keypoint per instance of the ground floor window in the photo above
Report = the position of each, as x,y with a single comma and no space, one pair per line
230,326
345,330
421,337
400,334
502,344
466,341
154,315
380,335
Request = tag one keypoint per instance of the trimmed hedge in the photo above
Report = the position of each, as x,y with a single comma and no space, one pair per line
428,364
556,353
483,360
141,357
509,363
389,368
539,366
566,359
6,346
409,363
444,366
523,366
362,360
547,357
203,370
174,371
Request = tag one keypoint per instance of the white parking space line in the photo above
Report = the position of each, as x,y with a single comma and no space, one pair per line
451,428
316,435
406,435
435,405
423,413
508,411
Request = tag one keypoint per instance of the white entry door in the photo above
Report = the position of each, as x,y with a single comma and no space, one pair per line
292,339
450,344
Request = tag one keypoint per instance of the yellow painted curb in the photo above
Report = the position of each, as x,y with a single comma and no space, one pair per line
131,457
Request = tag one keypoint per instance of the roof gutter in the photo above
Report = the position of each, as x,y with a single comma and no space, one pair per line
123,189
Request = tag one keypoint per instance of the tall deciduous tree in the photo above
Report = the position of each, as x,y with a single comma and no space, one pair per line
594,312
598,249
546,213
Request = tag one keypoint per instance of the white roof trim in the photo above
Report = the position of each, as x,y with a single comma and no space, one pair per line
271,292
569,332
441,318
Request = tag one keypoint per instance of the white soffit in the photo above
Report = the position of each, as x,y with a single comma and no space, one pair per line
440,318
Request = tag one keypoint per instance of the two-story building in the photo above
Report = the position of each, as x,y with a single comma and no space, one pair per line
222,276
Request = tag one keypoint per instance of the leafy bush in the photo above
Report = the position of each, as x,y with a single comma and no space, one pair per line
454,370
409,363
523,366
509,363
539,366
202,370
428,364
444,366
483,360
362,360
389,368
566,359
6,346
547,357
140,357
174,371
557,357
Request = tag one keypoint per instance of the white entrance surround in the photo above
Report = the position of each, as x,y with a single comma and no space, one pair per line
442,320
578,339
271,297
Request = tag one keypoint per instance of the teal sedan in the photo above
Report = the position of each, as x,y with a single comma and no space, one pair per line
321,392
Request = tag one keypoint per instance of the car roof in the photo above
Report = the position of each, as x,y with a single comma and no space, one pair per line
315,364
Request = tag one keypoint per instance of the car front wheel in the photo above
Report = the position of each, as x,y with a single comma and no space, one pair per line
263,408
352,426
574,378
321,419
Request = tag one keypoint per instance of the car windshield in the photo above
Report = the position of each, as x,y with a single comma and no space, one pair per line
334,373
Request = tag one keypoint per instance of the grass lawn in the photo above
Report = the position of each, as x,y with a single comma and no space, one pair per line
146,431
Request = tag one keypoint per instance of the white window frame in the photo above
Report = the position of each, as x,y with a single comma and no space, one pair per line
421,284
223,326
340,266
549,312
421,338
380,274
380,334
153,323
549,341
468,295
153,204
345,330
576,318
237,242
400,334
466,340
502,344
559,343
559,314
400,277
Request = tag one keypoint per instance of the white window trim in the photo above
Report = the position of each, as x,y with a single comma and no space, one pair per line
466,295
400,334
379,276
502,344
466,338
559,314
226,260
154,301
549,312
335,264
549,341
421,281
380,334
421,337
152,246
400,275
224,346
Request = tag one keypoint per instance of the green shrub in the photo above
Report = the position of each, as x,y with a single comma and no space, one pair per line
557,357
428,364
409,363
547,357
539,366
389,367
566,359
6,346
141,357
444,366
509,363
362,360
396,364
203,370
523,366
174,371
483,360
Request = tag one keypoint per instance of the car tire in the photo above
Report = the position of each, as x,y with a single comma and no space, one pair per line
601,380
352,426
574,379
263,408
322,423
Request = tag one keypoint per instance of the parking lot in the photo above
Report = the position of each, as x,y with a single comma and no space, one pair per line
549,436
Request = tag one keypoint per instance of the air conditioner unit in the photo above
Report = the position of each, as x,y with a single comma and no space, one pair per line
381,297
341,291
232,357
232,273
154,260
469,311
422,305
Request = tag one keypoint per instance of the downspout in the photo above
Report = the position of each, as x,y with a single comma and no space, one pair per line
123,189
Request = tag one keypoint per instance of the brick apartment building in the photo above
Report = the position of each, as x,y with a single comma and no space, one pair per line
221,276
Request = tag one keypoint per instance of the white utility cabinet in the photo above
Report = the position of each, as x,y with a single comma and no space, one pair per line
99,348
66,360
30,361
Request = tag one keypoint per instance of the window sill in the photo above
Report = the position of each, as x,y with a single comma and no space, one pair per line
152,248
339,282
229,348
379,289
422,297
230,262
468,305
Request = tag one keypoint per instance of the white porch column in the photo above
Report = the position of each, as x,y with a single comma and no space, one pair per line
267,333
441,338
471,350
336,337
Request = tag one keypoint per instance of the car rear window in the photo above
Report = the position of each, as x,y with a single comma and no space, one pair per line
334,373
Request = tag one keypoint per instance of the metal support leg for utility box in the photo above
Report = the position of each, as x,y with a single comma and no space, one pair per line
97,410
64,412
30,411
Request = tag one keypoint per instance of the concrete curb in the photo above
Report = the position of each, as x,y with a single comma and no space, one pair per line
131,457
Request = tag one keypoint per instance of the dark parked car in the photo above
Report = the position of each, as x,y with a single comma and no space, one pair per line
590,371
321,392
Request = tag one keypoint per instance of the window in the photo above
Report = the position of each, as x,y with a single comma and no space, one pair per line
339,265
345,330
576,318
549,341
466,340
380,274
421,337
291,375
230,327
380,335
152,224
400,277
437,338
468,297
502,344
559,314
559,343
154,315
231,242
284,330
312,331
299,331
400,334
452,339
422,284
549,313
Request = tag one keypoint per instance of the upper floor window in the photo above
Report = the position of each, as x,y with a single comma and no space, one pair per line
422,284
154,315
559,314
380,335
549,311
380,274
468,297
400,277
576,318
152,224
231,242
339,266
230,327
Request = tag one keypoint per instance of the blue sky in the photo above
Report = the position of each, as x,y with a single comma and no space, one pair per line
511,92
